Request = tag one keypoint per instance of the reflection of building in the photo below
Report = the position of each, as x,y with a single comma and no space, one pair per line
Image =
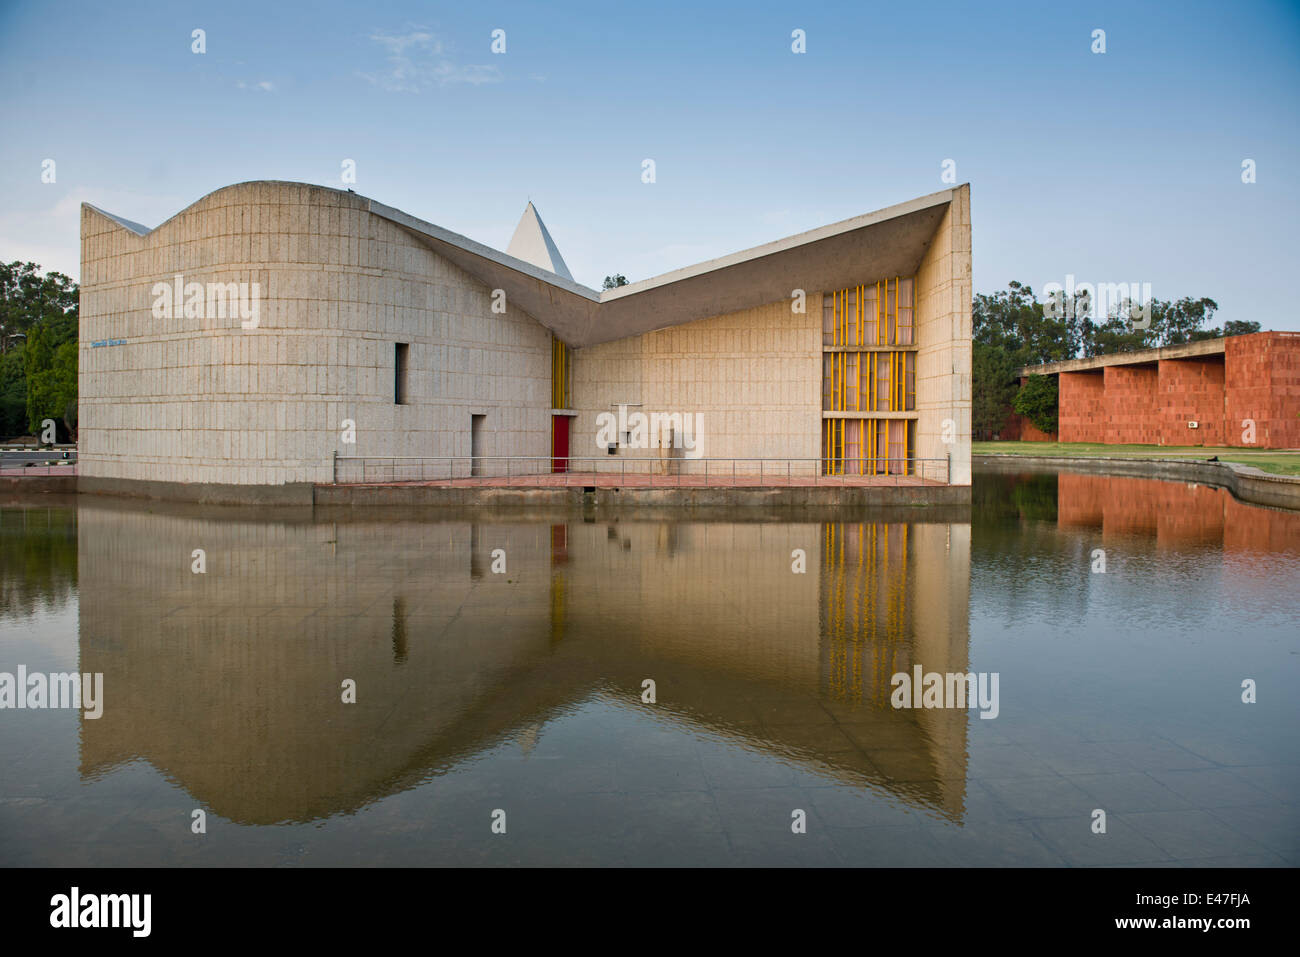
38,559
1174,513
229,682
848,344
889,603
1239,391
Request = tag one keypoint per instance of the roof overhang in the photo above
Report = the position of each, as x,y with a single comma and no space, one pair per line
1188,350
887,243
884,244
565,307
124,223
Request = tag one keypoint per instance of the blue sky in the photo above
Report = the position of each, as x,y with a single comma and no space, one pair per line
1115,167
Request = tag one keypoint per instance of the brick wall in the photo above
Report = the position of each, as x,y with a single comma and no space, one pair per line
1131,405
1255,383
1082,409
1262,384
1191,390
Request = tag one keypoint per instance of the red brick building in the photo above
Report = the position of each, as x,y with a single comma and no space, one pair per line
1202,393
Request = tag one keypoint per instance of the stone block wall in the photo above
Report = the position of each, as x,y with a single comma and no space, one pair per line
943,335
190,394
202,399
754,375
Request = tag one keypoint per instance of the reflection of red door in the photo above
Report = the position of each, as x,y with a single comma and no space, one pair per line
560,443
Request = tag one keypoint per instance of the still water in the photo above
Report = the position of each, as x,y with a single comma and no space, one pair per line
502,670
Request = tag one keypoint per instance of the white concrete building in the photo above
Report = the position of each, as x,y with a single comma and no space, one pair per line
270,327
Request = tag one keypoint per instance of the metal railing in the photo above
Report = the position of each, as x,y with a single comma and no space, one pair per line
540,471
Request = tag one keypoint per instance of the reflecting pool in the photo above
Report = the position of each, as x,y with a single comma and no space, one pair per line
650,688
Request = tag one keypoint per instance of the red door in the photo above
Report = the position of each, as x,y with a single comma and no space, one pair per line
560,443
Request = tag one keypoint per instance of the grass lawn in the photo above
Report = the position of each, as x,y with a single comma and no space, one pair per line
1270,460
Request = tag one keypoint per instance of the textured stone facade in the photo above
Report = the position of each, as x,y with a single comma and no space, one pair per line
192,391
943,334
206,400
753,376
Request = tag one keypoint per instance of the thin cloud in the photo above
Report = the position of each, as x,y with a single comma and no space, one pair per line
418,60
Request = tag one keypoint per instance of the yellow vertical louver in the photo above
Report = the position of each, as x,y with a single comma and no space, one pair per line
871,360
559,375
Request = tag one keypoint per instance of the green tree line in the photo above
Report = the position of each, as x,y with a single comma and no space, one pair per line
1011,328
38,350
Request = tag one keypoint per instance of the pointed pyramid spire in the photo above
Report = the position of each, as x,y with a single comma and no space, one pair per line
533,244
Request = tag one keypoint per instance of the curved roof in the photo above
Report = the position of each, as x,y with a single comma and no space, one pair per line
888,242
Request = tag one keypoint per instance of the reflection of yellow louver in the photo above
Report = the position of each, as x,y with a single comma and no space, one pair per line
866,613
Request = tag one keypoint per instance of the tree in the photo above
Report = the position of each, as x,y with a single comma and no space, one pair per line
13,391
1012,329
993,385
15,311
1177,322
64,374
38,348
1112,336
614,281
1037,401
1031,332
1239,327
1170,324
51,368
27,298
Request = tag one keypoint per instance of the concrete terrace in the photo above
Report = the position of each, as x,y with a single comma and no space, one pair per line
614,480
